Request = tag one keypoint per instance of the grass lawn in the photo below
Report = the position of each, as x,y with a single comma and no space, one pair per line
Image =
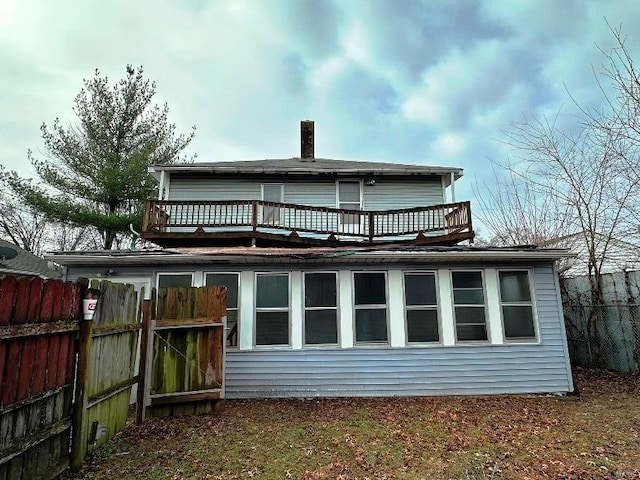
593,435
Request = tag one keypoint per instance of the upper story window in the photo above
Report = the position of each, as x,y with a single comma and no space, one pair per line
370,303
320,308
180,280
469,305
271,192
230,281
421,307
517,307
272,309
350,198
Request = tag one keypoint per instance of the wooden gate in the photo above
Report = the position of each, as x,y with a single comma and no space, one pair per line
183,361
106,367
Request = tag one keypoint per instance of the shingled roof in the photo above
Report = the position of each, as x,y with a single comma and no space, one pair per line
306,166
26,263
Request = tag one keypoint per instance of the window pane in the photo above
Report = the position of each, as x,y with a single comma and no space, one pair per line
514,287
370,289
518,322
272,328
272,291
229,280
471,332
422,326
272,193
181,280
320,326
320,290
232,328
468,297
420,289
371,325
349,192
467,279
469,315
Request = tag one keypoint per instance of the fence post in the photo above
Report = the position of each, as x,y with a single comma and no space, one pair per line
79,423
143,382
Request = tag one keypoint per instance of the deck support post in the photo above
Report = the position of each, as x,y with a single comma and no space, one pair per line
254,214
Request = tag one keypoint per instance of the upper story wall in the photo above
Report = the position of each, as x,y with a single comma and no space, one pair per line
386,194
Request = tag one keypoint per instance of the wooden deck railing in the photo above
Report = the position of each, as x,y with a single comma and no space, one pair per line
164,216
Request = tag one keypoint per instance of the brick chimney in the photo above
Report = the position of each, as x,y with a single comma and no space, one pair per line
306,139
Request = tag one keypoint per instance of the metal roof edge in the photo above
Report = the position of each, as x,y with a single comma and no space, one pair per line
162,257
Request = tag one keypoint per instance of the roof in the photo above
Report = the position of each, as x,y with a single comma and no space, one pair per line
305,166
324,255
26,263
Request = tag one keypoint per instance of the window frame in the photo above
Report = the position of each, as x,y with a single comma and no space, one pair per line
174,274
435,307
257,309
237,307
356,307
531,304
359,225
485,306
277,214
305,308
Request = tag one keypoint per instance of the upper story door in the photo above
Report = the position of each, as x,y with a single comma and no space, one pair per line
272,192
350,198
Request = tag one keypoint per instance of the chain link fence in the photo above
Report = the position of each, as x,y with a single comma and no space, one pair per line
604,336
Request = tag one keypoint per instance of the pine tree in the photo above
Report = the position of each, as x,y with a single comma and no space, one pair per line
95,172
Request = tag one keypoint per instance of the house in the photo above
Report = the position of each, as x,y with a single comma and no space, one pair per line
348,279
19,262
615,255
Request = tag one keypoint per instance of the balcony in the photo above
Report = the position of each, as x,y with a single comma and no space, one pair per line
240,222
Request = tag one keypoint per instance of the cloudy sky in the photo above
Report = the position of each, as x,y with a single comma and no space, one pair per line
426,82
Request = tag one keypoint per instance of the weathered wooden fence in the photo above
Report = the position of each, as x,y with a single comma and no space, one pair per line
106,366
42,428
38,325
183,366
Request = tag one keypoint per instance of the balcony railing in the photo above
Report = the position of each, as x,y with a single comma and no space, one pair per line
166,218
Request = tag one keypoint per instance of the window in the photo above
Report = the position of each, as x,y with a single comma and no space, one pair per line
229,280
271,192
320,308
166,280
468,300
370,307
272,309
517,308
350,198
421,307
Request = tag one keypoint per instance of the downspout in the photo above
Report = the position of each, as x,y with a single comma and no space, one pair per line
161,187
453,187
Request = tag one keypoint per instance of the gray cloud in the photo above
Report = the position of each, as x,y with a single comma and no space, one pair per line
407,81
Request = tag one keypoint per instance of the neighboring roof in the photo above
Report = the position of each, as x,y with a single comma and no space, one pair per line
254,255
305,166
26,263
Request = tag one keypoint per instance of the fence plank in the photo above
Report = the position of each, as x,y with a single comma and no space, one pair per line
35,300
8,290
10,384
22,301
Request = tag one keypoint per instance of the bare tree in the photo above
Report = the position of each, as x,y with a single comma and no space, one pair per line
518,213
31,231
21,225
